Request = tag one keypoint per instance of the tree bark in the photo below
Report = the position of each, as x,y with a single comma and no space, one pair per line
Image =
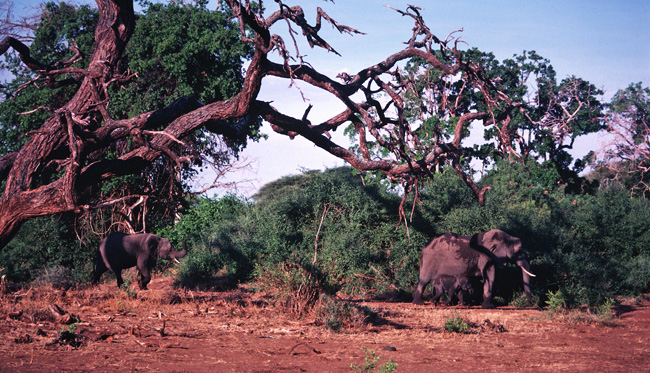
50,172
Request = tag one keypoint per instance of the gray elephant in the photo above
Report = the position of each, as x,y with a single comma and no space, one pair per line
452,285
467,256
119,251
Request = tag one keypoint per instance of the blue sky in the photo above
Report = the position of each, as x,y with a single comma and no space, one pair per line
604,42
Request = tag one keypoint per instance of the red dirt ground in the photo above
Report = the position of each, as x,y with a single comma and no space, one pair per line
170,330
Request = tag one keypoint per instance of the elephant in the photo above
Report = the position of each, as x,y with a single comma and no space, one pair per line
476,255
452,285
119,251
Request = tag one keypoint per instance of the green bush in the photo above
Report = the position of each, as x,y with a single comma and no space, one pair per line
202,269
456,324
583,248
337,314
566,297
295,288
606,309
637,274
220,253
56,276
520,300
47,243
371,361
348,227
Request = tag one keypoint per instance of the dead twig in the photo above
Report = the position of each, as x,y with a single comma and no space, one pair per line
291,352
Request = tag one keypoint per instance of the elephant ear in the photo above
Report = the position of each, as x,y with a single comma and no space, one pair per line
478,243
490,242
495,235
512,243
152,243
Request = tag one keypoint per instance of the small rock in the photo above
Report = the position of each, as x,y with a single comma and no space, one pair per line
26,338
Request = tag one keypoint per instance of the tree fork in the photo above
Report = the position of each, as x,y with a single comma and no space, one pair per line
82,127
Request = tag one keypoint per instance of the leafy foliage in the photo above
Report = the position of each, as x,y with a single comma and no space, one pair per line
176,50
371,361
216,259
181,50
329,230
345,229
550,115
337,314
48,248
595,243
296,288
60,25
456,324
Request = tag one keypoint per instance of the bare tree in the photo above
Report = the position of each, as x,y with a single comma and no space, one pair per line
53,171
627,152
21,28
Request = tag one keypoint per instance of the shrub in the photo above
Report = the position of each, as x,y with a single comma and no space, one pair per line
358,249
566,297
127,290
200,269
56,276
336,314
47,242
371,361
521,301
294,287
583,248
456,324
637,274
606,309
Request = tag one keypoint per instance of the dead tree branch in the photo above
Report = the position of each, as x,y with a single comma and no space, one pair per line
83,127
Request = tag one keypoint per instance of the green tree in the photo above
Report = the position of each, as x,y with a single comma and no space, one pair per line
177,50
83,144
331,224
542,120
218,232
60,26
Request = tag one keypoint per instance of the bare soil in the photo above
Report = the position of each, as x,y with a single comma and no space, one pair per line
170,330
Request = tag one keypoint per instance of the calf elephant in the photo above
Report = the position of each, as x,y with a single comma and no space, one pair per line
120,251
452,285
467,256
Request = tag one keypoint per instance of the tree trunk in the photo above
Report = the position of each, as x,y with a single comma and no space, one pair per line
23,197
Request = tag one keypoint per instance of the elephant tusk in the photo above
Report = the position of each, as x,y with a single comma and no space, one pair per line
527,272
176,260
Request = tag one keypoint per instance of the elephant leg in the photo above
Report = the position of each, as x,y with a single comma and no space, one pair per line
488,281
461,297
450,295
145,273
118,276
438,293
145,277
419,289
100,268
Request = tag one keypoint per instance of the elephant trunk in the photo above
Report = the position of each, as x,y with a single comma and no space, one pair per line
526,274
179,254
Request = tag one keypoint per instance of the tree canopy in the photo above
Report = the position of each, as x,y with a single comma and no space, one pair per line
126,106
155,70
